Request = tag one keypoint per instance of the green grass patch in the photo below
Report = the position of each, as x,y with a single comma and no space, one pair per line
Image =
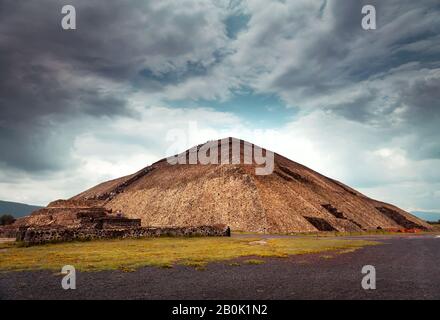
327,234
254,261
130,254
234,264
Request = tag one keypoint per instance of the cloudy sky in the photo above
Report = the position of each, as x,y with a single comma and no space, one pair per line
301,78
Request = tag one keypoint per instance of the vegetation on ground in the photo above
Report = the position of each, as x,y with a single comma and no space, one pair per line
254,261
129,254
326,234
6,219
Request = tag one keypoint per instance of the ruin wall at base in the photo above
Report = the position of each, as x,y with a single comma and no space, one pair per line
36,236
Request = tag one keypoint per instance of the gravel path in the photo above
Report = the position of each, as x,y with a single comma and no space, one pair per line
407,268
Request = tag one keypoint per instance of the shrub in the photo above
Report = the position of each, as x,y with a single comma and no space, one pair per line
6,219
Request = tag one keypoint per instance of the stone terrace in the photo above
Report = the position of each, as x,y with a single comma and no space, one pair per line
69,220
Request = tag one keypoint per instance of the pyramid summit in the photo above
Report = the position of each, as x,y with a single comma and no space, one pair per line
227,151
292,198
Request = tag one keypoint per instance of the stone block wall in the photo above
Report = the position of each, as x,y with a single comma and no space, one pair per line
36,236
118,223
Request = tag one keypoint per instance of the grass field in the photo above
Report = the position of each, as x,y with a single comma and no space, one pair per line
326,234
127,255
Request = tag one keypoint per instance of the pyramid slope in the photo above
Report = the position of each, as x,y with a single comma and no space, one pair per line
293,198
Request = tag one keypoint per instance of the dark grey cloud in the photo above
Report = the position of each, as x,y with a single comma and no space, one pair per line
35,96
344,52
423,116
50,76
386,77
360,109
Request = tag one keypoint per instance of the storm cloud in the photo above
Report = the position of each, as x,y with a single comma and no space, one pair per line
50,76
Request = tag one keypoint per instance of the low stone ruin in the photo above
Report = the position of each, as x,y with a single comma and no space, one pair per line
35,236
69,220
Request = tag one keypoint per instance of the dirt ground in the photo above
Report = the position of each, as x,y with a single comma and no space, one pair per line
406,266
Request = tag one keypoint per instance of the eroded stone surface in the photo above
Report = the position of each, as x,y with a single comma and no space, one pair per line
69,220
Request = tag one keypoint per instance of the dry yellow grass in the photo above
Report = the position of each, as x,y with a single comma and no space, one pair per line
127,255
254,261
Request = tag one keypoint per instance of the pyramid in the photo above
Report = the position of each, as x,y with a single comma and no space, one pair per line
290,198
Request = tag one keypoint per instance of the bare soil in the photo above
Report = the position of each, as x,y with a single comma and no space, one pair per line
407,268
